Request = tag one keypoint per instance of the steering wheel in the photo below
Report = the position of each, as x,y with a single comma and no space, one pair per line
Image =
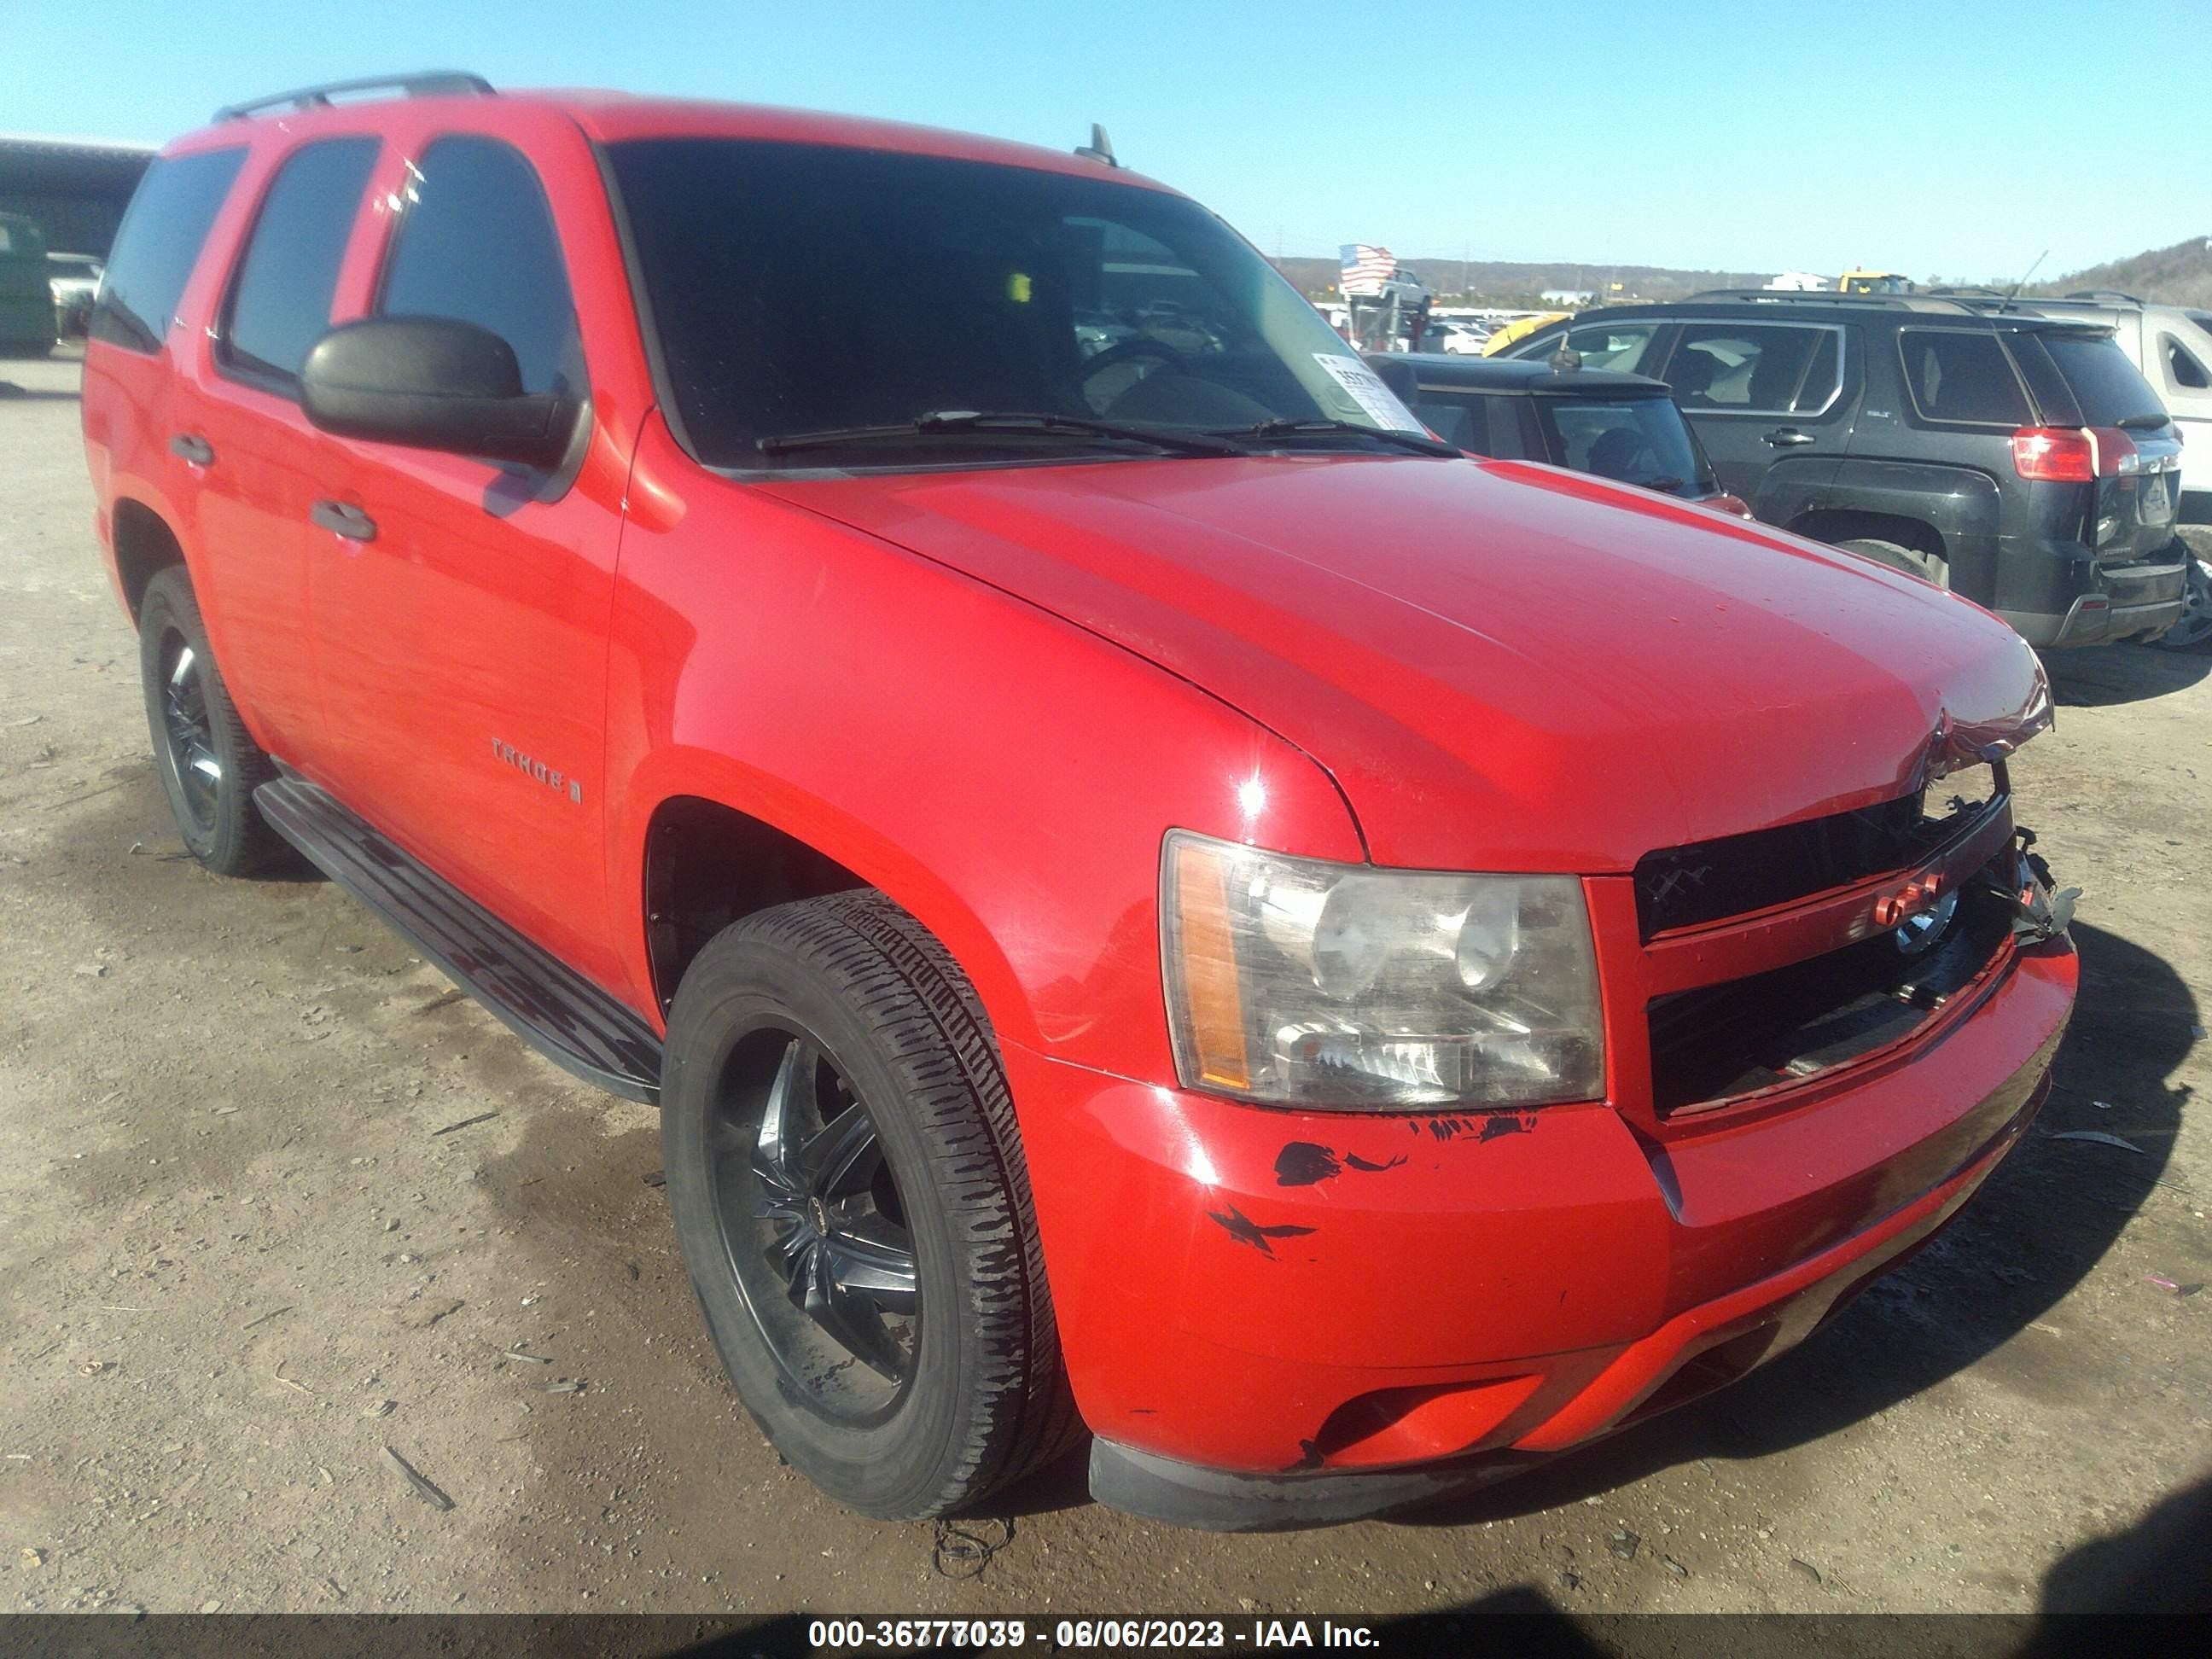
1123,351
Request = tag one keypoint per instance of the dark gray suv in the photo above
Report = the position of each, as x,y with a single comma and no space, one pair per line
2017,459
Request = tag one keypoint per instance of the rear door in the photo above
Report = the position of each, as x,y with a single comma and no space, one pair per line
1766,397
248,464
462,642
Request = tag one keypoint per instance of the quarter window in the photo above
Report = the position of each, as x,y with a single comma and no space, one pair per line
1741,369
160,241
2182,367
1956,376
280,304
477,245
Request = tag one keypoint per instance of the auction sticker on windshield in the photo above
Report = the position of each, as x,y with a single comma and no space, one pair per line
1365,387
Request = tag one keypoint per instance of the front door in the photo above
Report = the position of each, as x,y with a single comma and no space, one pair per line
460,606
1768,401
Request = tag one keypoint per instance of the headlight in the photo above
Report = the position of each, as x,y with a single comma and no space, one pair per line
1311,984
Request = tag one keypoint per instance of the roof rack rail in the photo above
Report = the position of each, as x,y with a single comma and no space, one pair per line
1828,296
2107,294
430,83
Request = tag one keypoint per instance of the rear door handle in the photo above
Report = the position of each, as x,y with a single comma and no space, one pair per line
1784,437
192,448
342,519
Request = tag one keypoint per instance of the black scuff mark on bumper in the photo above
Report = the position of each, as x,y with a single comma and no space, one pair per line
1308,1163
1245,1230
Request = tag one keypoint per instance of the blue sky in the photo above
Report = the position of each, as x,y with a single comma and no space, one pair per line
1935,139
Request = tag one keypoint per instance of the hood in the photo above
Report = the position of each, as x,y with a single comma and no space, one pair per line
1505,666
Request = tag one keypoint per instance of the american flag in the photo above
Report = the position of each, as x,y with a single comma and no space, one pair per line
1365,267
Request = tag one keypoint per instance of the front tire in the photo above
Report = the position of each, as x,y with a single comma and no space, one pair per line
851,1199
209,765
1931,568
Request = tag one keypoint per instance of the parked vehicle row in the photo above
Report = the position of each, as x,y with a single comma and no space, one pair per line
2016,457
1106,840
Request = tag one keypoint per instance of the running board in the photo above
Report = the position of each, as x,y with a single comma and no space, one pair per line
551,1007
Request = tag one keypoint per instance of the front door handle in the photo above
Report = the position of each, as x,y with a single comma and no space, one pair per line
343,519
191,446
1785,437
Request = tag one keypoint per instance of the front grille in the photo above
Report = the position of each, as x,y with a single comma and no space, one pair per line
1718,1042
1733,875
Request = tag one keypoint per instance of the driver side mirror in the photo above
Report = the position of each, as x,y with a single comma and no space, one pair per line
431,383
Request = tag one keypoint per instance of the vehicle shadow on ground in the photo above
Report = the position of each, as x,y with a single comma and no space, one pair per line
2046,1217
2107,675
12,392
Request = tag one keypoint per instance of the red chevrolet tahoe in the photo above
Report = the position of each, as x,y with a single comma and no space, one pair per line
1154,899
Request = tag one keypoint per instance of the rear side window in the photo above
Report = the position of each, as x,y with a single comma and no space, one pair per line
280,301
1953,375
2110,389
1736,369
477,245
2183,367
1638,441
160,241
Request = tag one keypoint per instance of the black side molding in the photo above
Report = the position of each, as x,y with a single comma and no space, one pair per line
551,1007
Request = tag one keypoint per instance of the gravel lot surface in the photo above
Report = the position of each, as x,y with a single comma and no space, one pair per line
275,1197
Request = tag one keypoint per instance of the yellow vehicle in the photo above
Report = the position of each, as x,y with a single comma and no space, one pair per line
1874,282
1520,329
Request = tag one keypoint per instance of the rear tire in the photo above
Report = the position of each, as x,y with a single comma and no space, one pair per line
209,765
1930,567
2192,630
852,1202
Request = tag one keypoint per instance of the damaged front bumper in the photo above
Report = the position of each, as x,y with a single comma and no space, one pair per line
1281,1318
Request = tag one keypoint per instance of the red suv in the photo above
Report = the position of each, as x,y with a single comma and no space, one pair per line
1153,897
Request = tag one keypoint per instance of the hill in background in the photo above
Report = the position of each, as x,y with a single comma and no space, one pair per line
2177,276
2180,275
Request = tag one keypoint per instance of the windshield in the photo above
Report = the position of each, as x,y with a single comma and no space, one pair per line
1638,441
802,290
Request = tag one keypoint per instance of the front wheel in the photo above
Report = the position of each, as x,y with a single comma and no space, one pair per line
850,1197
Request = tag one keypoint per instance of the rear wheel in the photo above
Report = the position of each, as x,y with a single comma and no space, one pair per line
209,765
2193,631
1929,566
849,1193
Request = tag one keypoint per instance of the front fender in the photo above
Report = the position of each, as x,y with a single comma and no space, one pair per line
1005,774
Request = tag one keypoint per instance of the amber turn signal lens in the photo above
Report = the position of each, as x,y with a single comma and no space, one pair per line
1211,999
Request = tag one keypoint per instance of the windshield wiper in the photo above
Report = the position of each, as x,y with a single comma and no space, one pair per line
996,424
1289,429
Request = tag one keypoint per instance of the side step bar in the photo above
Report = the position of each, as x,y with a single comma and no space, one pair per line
551,1007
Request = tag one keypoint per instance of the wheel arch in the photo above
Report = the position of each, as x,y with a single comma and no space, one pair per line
144,544
715,845
1834,525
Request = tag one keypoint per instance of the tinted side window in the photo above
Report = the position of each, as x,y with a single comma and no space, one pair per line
1615,345
2182,366
280,302
1470,421
1956,376
162,233
477,245
1765,370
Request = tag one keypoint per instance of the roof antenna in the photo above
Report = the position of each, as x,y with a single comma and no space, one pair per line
2016,287
1099,149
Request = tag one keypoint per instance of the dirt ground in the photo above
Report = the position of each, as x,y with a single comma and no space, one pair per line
274,1196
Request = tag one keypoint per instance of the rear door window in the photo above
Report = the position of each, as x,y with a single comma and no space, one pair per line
160,241
1768,369
1955,376
280,300
477,245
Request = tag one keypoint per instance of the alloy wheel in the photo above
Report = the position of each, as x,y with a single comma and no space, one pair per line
189,731
812,1226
